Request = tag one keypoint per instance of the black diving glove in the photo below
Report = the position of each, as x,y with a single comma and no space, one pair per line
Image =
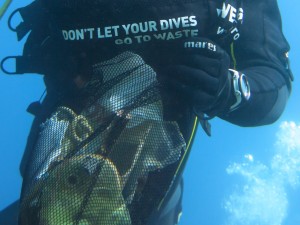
200,73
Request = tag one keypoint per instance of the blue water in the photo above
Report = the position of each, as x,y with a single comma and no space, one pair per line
247,181
239,176
249,176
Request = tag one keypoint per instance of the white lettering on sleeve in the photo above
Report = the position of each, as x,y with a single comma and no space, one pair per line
232,15
225,10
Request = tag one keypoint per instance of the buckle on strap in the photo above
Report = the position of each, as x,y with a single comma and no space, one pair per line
3,65
32,15
23,64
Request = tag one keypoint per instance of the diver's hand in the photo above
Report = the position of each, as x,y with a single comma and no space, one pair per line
199,73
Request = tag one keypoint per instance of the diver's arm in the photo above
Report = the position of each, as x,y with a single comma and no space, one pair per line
261,54
269,94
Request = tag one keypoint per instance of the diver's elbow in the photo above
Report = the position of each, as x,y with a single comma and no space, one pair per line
278,107
258,112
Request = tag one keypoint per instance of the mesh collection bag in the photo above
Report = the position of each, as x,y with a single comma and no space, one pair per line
100,164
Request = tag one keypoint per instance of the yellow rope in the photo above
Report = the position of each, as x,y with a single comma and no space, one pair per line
188,147
184,157
233,56
4,7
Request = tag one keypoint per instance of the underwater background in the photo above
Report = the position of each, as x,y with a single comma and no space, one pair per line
239,176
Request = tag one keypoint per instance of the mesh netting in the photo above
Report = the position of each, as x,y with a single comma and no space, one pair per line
93,167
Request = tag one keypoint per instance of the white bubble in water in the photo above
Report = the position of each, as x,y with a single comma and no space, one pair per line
262,198
249,157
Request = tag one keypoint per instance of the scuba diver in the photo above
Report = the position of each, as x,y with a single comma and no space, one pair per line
127,84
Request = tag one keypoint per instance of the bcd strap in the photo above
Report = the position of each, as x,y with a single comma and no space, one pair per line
23,64
32,15
37,46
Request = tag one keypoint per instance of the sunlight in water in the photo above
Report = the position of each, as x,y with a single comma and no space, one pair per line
262,198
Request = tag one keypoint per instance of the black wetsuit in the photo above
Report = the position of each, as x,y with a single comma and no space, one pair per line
259,51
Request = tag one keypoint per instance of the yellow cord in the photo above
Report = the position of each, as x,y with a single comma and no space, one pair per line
233,56
4,7
188,147
184,157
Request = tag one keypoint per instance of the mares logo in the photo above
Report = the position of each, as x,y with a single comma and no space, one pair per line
201,44
139,32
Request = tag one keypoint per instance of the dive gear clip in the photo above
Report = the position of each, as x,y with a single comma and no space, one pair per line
3,62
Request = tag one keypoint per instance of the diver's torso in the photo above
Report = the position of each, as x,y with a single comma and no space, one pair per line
155,30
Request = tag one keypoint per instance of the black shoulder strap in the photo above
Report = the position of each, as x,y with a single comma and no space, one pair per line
32,16
35,22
